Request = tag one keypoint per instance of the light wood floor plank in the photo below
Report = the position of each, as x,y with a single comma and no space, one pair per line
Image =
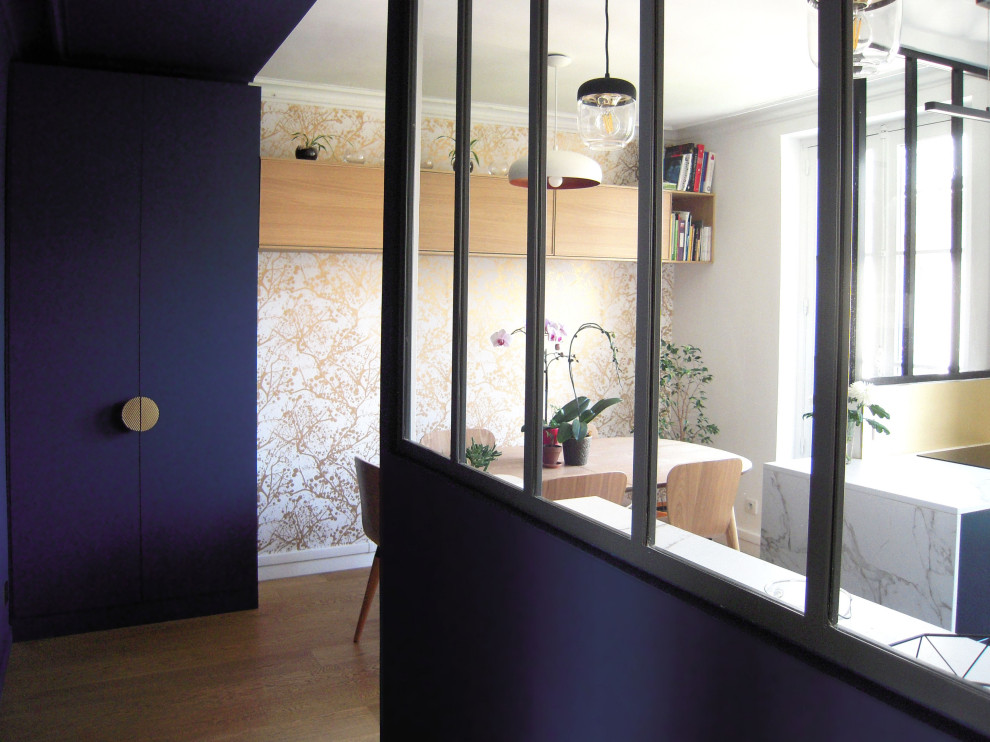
288,671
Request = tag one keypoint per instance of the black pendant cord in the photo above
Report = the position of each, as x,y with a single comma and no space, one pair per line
606,38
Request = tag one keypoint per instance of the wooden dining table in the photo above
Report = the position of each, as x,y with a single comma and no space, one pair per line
616,454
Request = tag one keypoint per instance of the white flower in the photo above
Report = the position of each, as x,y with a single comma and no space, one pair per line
500,338
858,394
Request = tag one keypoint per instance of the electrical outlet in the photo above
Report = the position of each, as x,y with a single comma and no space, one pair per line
752,507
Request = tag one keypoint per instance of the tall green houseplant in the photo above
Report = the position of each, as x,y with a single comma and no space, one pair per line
683,392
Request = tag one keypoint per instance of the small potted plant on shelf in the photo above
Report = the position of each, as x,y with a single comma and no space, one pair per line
452,155
310,147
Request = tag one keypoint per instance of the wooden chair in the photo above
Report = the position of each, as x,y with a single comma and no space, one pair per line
700,498
369,479
439,440
609,486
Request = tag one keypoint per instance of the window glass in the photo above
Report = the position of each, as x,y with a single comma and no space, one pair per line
496,345
731,500
914,521
432,313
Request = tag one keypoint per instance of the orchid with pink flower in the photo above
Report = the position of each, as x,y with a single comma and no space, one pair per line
500,338
555,333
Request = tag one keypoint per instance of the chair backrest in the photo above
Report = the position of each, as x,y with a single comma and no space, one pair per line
700,496
609,486
439,440
369,485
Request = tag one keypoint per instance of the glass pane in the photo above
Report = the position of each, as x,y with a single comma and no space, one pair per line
933,268
727,401
915,517
974,351
496,358
432,323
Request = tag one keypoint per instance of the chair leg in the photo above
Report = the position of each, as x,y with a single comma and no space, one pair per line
731,535
369,594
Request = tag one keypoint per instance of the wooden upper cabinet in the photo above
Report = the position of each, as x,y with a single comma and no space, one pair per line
318,206
599,222
310,205
498,215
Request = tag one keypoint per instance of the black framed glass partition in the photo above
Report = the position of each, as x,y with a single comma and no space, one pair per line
818,628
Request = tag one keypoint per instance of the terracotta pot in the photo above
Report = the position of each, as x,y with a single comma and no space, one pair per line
551,455
576,451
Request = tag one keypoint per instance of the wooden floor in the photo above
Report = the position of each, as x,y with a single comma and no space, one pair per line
288,671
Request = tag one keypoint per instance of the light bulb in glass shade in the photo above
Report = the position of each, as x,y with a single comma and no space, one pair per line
555,181
606,113
876,33
862,31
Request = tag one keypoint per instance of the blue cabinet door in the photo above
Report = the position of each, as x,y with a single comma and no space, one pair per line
73,186
199,263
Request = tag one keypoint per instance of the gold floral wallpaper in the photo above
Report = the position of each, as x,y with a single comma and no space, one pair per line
319,338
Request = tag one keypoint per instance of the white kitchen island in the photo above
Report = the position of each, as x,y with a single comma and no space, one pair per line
916,534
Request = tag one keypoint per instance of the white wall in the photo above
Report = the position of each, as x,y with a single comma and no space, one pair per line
731,308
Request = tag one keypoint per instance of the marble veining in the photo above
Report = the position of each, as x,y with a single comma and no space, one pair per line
898,552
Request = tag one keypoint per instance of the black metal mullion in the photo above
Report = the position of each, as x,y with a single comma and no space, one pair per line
832,315
648,270
462,205
397,236
973,69
910,212
536,243
955,249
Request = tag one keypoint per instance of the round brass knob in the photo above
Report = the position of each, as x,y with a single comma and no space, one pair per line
140,414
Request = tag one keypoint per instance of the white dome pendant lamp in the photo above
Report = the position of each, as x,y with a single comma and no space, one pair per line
564,169
606,108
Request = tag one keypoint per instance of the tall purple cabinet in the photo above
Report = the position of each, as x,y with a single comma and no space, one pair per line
132,214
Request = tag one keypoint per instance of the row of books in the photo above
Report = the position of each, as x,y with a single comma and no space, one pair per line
688,167
690,239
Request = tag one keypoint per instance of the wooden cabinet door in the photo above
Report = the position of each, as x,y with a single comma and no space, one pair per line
309,205
498,215
73,186
598,222
199,237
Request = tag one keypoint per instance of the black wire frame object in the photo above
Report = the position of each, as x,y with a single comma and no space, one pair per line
975,667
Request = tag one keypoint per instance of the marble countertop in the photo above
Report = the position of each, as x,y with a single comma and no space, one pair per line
916,480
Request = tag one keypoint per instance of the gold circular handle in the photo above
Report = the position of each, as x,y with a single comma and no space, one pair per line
140,414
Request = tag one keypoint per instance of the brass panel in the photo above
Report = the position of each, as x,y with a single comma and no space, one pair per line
140,414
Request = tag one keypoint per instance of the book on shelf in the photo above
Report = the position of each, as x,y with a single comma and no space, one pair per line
709,176
682,183
690,167
690,238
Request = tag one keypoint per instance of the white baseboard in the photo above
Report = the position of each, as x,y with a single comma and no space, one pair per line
315,561
749,542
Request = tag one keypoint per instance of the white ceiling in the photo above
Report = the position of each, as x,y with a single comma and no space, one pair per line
722,56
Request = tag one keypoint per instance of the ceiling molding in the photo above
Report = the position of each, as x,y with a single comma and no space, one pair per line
884,88
373,101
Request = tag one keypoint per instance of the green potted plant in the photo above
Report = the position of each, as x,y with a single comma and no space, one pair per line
480,455
310,147
452,155
571,422
683,381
